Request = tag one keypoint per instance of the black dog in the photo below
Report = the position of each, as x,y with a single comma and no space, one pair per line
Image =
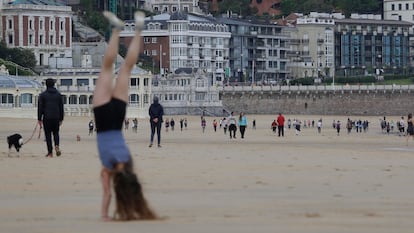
15,140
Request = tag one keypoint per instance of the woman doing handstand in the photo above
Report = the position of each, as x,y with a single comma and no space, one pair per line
109,103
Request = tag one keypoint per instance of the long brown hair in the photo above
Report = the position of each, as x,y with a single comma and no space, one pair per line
130,200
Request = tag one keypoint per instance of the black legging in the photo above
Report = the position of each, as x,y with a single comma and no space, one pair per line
242,130
158,127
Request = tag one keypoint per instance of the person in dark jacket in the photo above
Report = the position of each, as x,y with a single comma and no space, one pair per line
156,111
50,114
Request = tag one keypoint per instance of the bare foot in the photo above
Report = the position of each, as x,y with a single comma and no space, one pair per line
106,219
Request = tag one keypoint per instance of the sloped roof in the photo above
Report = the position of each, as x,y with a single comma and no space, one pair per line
39,2
8,81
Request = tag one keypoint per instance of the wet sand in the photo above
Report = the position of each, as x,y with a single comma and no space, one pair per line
206,182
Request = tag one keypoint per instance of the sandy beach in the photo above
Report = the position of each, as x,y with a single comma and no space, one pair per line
206,182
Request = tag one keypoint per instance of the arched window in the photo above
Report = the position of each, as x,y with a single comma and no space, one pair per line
73,99
65,99
83,99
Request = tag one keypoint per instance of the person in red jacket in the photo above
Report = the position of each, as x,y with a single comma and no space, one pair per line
281,125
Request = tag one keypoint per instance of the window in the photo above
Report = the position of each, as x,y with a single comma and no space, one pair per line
400,6
147,40
41,39
406,6
6,99
82,82
51,25
154,40
61,25
154,52
41,24
134,99
30,39
83,99
134,82
31,24
10,24
66,82
51,40
62,40
26,98
73,99
10,39
392,7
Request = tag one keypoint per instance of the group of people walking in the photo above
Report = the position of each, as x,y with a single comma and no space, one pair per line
230,124
109,107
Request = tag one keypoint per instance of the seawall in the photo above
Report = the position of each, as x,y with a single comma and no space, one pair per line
320,100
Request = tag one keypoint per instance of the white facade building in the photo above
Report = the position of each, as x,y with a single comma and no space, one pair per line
185,41
312,47
170,6
45,29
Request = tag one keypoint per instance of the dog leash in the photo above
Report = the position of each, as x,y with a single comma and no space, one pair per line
34,131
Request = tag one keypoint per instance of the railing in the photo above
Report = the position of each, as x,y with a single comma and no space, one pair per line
329,88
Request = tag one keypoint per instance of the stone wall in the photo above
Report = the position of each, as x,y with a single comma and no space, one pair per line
321,102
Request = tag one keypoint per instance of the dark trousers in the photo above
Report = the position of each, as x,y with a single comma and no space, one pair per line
51,127
156,126
242,130
281,130
232,130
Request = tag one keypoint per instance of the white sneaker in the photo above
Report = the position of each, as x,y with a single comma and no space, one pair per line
113,20
139,20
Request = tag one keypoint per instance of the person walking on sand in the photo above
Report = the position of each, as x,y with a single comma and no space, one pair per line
203,123
172,123
274,126
181,124
410,128
156,112
319,125
50,114
215,125
224,125
242,124
91,126
231,121
281,125
338,127
109,106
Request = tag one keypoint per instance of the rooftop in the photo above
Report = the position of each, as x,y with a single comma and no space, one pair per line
8,81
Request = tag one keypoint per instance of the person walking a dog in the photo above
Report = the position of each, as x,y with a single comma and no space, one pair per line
109,106
50,115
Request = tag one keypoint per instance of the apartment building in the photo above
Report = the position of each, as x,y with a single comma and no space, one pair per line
365,44
258,50
312,47
181,40
45,29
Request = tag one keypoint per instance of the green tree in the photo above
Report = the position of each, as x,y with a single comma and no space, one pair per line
241,7
20,56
